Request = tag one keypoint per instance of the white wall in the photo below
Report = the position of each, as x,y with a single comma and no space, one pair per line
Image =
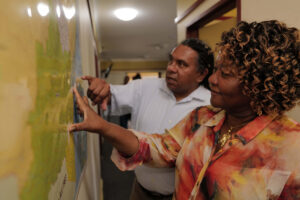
287,11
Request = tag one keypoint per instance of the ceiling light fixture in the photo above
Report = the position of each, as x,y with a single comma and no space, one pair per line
126,14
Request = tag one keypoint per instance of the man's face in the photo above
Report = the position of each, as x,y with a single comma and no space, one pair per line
182,76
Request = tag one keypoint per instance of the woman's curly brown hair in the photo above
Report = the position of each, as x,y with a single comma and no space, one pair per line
267,57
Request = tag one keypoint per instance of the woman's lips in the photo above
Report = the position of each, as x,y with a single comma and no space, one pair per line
214,92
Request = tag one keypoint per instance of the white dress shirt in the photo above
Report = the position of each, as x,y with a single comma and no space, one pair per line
153,109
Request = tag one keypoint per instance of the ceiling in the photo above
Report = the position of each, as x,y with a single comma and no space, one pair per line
150,36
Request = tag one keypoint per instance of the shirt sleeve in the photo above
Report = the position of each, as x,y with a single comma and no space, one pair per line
125,97
157,150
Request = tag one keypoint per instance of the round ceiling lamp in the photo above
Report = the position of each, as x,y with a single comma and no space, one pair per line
126,14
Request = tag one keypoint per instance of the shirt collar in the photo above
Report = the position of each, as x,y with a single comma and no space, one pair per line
253,128
201,93
248,132
164,88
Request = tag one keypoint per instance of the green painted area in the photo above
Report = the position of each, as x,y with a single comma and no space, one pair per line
52,112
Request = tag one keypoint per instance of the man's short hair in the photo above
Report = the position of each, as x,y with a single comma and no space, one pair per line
205,57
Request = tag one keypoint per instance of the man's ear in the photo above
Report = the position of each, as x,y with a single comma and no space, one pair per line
202,75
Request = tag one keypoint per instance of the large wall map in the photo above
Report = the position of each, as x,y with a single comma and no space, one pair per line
39,159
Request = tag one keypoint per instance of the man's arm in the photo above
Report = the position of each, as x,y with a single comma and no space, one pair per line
122,98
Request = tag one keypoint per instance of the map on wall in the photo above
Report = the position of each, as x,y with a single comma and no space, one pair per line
39,159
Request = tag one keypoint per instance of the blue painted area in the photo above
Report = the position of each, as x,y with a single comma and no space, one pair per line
80,137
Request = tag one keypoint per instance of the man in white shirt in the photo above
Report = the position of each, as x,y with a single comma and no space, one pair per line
159,104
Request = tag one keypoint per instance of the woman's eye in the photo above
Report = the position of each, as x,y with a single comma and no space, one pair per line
225,73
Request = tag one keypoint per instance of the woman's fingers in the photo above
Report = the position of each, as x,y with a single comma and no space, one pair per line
91,119
86,101
78,110
75,127
79,99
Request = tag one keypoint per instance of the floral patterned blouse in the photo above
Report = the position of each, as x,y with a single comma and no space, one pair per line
261,161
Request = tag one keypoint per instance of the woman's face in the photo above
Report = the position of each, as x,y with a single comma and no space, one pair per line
226,91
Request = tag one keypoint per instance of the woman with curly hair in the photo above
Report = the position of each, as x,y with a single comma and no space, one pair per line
241,147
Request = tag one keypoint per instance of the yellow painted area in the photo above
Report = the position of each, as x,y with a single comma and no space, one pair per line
143,74
135,65
17,87
70,159
212,34
36,103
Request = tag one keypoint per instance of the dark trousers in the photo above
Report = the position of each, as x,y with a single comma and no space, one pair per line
140,193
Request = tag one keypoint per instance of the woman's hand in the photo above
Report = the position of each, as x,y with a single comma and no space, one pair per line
122,139
92,121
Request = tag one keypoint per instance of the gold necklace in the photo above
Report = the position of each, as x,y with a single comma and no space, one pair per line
223,138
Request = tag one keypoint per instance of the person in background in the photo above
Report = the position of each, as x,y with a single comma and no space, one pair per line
243,147
158,104
159,75
126,79
137,76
